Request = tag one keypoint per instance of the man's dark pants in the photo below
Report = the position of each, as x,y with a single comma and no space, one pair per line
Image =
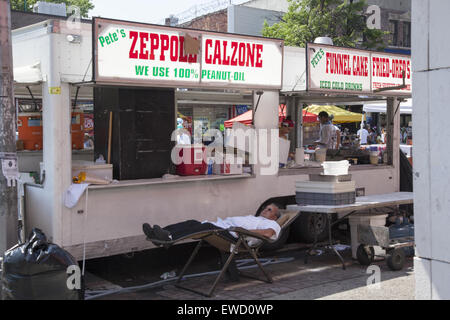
182,229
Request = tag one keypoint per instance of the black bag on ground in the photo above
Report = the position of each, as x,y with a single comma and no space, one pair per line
37,270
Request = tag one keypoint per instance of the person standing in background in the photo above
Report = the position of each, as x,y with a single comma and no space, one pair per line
326,132
363,134
372,138
383,136
336,135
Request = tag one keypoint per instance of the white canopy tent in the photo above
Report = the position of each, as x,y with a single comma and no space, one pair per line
405,107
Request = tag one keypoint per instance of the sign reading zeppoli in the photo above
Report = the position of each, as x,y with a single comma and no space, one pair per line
141,54
335,69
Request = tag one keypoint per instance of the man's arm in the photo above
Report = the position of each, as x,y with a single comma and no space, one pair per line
268,233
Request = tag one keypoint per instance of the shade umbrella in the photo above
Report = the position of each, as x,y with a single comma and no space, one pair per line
246,118
340,115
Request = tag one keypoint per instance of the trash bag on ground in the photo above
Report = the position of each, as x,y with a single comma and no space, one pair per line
38,270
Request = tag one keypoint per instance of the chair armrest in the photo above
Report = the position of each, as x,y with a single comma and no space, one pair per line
242,231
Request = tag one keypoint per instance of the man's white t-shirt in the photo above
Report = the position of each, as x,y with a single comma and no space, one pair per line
326,136
363,134
249,223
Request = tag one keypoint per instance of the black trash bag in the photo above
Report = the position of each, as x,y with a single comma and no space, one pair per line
37,270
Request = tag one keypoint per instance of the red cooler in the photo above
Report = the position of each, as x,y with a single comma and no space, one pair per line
192,160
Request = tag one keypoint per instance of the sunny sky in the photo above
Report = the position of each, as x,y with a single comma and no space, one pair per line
150,11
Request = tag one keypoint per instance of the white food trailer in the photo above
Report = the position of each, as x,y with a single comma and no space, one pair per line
107,220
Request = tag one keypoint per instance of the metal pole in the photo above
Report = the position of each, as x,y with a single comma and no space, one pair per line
8,194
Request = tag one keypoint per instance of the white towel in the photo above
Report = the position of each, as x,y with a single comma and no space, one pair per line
74,193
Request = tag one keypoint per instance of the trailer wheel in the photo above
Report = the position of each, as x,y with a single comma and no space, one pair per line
396,259
303,227
365,254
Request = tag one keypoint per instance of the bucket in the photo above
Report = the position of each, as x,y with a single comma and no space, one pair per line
335,168
321,155
374,157
299,156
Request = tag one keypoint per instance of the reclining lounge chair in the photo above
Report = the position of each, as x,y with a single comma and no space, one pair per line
231,247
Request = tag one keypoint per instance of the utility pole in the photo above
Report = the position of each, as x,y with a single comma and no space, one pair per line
8,152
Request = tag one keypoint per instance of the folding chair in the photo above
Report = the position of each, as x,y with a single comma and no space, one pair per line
221,241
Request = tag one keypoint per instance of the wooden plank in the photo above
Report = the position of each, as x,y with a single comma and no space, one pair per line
112,247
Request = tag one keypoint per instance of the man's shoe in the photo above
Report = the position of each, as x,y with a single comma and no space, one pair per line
161,234
148,230
150,234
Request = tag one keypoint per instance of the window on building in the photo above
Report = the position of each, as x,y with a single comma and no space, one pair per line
393,29
407,34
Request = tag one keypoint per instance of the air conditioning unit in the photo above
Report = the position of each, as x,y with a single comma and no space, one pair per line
56,9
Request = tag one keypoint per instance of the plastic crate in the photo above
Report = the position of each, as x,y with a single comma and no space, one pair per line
327,199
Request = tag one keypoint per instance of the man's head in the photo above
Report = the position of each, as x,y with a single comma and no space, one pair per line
323,117
271,212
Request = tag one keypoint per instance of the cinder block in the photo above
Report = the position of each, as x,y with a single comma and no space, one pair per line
420,34
439,46
440,271
421,169
422,274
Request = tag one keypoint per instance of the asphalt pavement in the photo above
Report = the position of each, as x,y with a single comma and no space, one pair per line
321,278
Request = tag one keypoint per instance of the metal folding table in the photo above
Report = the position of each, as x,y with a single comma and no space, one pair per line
361,203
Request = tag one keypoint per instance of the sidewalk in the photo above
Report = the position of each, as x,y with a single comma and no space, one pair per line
322,278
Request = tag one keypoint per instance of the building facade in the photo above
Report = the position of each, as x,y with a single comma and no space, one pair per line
248,18
431,78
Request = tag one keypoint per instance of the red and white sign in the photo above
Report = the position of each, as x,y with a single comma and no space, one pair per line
387,71
335,69
338,69
255,61
143,54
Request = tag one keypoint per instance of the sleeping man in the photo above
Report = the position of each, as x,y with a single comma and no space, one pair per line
265,225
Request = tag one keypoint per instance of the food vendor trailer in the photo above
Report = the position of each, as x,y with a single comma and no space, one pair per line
133,71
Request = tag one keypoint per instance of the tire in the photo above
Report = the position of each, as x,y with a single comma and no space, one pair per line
365,258
304,229
396,259
277,244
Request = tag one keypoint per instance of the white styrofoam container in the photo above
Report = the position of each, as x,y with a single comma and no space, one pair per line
335,168
100,170
325,186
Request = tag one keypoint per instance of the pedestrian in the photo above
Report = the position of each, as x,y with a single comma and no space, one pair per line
336,135
363,134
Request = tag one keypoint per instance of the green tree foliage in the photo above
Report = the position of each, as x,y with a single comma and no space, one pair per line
27,5
341,20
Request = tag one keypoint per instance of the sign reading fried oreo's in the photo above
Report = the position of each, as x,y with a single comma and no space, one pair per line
347,70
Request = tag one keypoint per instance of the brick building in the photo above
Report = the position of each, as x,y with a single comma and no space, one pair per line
215,21
248,18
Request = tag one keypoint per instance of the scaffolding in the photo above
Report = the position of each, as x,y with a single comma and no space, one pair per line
205,8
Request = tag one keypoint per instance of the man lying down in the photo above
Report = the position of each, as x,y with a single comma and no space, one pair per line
265,225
